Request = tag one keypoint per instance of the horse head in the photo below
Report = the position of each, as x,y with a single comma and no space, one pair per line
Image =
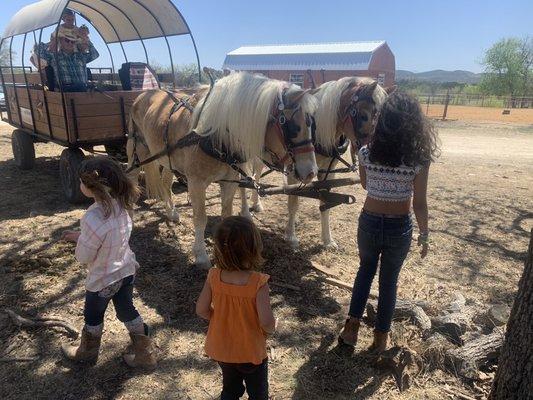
359,108
288,140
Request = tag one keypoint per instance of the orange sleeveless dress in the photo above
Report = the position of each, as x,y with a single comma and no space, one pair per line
235,334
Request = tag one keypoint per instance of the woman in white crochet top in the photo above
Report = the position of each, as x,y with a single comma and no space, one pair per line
394,169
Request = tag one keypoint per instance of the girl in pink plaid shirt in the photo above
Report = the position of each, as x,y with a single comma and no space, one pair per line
103,245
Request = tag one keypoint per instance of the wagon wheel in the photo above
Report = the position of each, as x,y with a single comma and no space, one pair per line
23,149
69,165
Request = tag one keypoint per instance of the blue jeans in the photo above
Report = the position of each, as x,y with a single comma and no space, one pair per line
390,238
96,304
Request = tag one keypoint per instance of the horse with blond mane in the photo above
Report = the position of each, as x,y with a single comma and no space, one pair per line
242,117
347,112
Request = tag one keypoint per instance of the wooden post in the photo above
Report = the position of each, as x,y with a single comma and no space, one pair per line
427,108
514,377
446,102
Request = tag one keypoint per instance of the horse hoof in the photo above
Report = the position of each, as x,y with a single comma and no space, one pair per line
257,208
293,242
206,265
331,245
173,216
246,214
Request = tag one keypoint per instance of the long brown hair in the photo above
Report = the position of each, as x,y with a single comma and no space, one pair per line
106,179
403,135
238,245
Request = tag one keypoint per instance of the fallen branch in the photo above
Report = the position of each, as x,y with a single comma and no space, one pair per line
457,394
285,285
404,310
334,281
476,353
40,322
19,359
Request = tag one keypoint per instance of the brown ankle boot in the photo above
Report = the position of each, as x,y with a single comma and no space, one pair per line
86,351
142,351
352,326
381,341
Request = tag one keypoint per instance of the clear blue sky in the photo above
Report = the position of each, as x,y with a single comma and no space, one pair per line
423,35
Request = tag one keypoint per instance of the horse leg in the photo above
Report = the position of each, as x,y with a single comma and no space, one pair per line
327,241
227,194
197,193
257,206
290,231
245,209
167,178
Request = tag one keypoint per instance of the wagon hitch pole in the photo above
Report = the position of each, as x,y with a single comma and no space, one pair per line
315,190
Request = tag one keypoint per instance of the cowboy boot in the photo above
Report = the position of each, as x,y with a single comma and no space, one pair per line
381,340
86,351
141,352
352,325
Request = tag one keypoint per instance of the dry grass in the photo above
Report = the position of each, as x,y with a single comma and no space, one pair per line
481,212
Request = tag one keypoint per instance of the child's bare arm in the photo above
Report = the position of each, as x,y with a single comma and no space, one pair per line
420,207
264,310
203,305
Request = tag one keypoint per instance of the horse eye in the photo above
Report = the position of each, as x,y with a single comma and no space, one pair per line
364,118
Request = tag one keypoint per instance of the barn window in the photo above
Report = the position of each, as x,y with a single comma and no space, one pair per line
297,79
381,79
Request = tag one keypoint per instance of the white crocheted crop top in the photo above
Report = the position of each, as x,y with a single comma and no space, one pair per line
387,183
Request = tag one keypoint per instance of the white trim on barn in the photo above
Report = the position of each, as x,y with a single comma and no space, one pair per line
300,57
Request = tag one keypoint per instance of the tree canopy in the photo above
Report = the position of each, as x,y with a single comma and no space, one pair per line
509,67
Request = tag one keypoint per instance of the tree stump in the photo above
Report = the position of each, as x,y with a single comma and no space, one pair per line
403,363
514,377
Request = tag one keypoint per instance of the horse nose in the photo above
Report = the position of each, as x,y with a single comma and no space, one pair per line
309,177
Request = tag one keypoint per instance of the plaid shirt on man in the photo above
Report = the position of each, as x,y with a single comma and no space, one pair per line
72,68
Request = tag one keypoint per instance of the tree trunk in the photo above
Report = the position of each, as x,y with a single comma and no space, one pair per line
514,378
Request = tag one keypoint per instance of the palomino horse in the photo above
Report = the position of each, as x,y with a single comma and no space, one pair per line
242,117
347,109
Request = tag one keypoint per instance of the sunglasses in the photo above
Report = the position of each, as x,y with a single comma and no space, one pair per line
69,41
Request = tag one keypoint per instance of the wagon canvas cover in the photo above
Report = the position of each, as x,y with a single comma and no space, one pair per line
116,20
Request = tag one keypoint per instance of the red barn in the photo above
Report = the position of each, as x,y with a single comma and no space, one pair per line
324,61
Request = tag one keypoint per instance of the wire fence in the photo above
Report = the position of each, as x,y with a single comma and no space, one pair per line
436,105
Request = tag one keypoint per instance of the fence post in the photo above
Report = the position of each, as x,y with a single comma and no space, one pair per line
427,107
446,102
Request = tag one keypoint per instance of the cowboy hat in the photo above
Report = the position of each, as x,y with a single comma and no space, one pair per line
68,34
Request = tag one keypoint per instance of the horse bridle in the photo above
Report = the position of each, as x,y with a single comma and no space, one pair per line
287,130
352,113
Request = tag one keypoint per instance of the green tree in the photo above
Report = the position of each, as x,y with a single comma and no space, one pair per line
4,54
508,67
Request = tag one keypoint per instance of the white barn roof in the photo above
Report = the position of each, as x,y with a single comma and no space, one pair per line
329,56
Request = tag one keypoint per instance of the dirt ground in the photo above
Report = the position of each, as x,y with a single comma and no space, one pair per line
480,198
485,114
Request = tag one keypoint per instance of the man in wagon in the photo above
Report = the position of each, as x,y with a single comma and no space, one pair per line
71,66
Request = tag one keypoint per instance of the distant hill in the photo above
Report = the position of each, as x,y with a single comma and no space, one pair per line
439,76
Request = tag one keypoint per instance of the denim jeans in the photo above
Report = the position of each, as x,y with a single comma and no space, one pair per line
388,238
255,377
96,304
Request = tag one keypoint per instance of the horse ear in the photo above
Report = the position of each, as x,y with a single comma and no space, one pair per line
391,89
294,96
373,86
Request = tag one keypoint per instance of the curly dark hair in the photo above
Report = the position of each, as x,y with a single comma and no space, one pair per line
403,134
